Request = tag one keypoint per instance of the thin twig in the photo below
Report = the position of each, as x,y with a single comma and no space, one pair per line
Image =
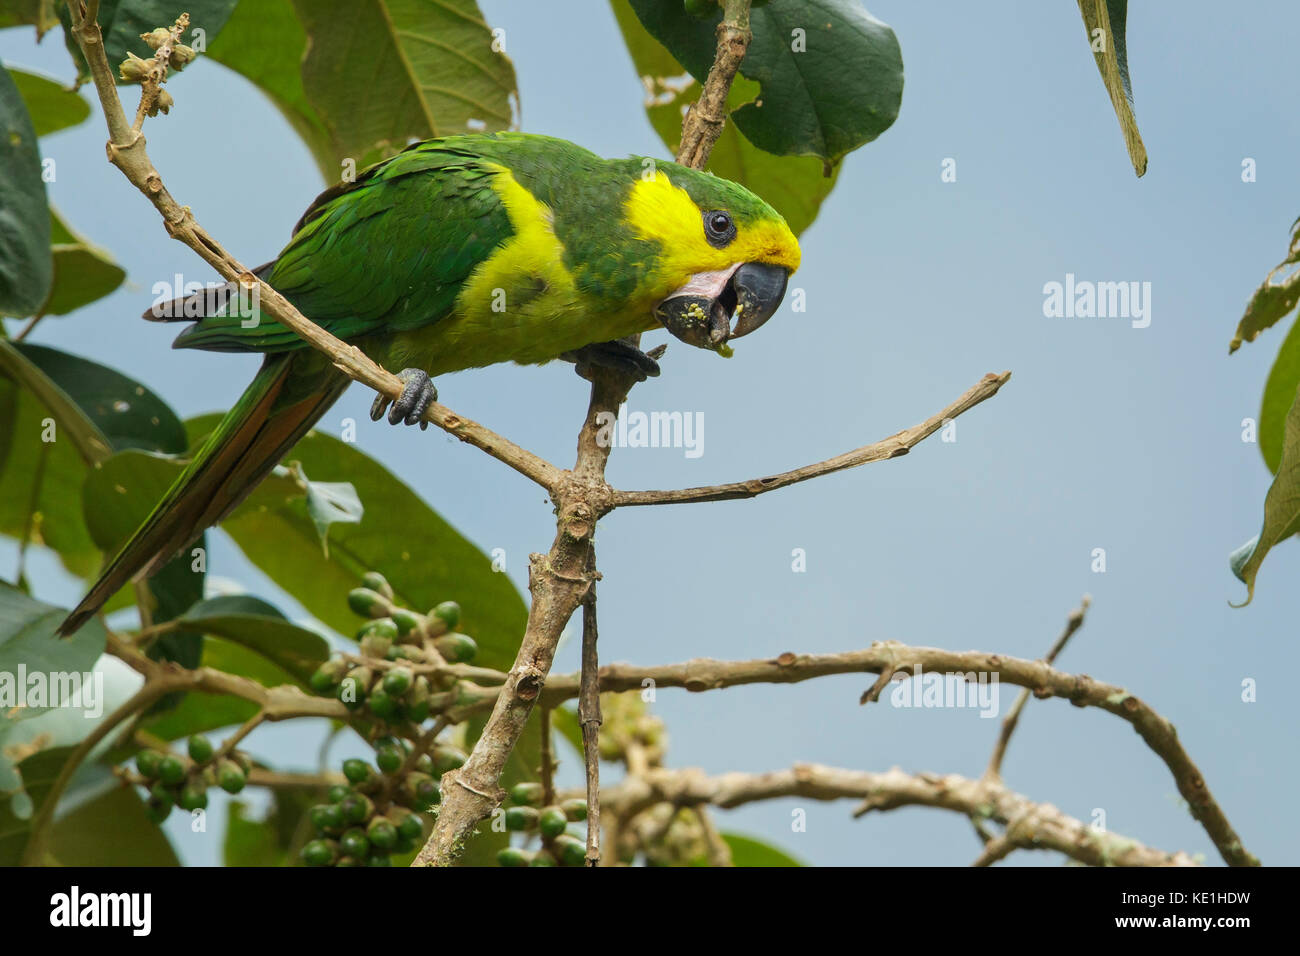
1073,621
707,117
892,447
589,716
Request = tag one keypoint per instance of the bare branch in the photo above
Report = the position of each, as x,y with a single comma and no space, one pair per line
892,447
1029,825
707,117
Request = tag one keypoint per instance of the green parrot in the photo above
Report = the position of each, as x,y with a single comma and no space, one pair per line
458,253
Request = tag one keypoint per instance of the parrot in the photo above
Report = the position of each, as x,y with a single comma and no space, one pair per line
461,252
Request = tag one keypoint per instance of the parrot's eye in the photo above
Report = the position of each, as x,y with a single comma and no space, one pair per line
719,229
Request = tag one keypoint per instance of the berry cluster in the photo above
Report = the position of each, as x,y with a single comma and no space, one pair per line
178,781
528,815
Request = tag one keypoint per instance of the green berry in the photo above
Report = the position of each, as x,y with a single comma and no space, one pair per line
382,833
382,705
356,808
194,796
161,793
320,853
377,582
542,858
552,822
382,627
171,770
357,771
447,758
158,811
147,761
407,621
398,681
326,816
352,690
701,9
570,850
519,819
390,759
449,613
513,856
326,677
457,648
336,793
379,859
575,809
354,842
230,778
527,794
409,827
422,790
367,603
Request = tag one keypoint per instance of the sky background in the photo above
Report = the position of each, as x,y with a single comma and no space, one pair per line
1106,437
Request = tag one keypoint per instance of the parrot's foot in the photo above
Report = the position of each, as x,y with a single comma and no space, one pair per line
417,394
619,355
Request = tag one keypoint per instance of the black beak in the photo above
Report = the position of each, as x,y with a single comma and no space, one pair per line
752,293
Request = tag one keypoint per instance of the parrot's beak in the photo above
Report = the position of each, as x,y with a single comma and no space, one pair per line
700,312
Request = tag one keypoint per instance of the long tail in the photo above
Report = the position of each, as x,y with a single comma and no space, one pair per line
244,448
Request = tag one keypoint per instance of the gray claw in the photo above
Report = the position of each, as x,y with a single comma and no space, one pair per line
417,394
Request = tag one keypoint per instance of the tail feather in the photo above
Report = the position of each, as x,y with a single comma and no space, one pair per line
244,448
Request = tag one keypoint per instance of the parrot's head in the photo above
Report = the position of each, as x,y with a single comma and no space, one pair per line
722,253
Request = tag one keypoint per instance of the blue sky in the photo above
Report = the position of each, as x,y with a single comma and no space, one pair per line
1107,436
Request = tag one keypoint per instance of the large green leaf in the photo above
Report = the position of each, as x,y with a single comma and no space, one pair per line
264,42
39,771
1279,393
82,271
1105,21
382,72
794,185
831,75
25,266
260,627
111,830
1281,507
37,13
51,105
746,851
27,640
424,558
94,411
1276,296
122,21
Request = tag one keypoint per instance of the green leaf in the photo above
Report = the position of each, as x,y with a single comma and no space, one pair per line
27,640
260,627
94,410
423,557
37,13
831,75
82,271
264,42
51,105
122,21
1281,508
1105,22
111,830
1274,299
1279,392
794,185
746,851
200,713
26,269
382,72
328,502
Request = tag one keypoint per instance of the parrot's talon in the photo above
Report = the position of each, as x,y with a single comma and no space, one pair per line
417,395
619,355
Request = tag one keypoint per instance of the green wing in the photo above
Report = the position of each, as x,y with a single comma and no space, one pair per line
386,253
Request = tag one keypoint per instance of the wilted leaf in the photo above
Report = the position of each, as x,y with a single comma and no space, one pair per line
1105,21
1274,299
